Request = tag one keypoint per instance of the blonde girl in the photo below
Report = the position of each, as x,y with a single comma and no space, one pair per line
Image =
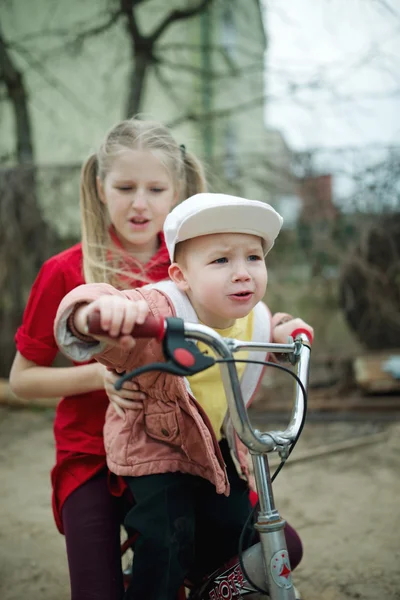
127,189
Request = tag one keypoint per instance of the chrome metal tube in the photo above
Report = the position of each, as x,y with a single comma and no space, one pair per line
236,345
303,368
264,487
224,348
238,412
272,553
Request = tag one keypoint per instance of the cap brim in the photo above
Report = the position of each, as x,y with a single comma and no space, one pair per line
259,220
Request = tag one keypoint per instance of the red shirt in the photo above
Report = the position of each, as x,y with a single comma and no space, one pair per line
79,419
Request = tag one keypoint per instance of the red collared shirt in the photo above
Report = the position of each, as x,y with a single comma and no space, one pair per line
79,419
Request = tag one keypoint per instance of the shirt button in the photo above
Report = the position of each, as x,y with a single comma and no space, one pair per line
165,432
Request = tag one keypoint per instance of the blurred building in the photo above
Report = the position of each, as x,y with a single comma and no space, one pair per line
281,178
317,199
207,82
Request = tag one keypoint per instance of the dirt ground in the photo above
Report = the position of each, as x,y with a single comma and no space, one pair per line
345,506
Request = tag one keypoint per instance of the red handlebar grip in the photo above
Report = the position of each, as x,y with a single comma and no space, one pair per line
151,328
302,330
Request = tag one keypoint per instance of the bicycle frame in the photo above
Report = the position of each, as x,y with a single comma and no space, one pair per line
266,563
275,563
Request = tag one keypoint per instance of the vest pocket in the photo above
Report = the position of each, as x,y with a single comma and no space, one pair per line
163,427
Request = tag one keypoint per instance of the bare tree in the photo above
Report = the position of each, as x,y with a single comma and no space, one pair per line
25,239
150,52
14,83
143,47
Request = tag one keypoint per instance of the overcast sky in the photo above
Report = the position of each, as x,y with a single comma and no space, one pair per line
351,49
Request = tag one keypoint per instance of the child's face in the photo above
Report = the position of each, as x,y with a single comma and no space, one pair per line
139,193
224,276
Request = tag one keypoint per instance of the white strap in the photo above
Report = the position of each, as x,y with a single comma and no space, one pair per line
179,300
261,333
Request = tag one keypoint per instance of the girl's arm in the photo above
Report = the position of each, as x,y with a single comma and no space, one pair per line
29,380
32,374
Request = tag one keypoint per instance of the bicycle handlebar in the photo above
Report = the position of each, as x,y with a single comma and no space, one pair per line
151,328
298,350
154,328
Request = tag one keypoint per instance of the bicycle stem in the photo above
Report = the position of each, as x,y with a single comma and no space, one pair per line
269,523
254,440
271,526
273,551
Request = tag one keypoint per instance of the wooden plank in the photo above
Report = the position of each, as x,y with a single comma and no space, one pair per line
333,448
378,372
329,402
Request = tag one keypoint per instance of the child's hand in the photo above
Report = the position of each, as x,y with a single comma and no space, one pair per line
117,316
284,330
127,398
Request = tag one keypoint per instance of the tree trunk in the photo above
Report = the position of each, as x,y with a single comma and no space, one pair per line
25,239
25,242
137,82
16,92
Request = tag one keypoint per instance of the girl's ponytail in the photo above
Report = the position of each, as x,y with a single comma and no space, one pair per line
195,179
94,224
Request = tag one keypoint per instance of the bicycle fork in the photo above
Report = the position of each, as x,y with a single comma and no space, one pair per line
270,526
266,563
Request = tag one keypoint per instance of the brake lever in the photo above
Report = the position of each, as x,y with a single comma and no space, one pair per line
183,356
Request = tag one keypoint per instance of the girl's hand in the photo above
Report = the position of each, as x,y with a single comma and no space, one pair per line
117,316
127,398
284,330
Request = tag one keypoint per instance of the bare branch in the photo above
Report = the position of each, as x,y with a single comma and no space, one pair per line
82,34
386,6
99,29
7,69
219,75
179,15
168,87
17,95
241,49
217,114
53,81
142,47
127,7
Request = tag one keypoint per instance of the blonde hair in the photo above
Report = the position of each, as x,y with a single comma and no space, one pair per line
102,260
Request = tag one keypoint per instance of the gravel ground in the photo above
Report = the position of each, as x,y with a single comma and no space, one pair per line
345,506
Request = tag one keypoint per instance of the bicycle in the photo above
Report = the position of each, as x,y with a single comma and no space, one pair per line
263,570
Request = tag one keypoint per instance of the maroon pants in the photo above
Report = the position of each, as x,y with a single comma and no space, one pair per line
91,518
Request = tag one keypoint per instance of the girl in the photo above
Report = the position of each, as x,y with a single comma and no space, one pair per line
127,189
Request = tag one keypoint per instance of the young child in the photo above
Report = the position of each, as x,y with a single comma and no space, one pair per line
187,472
127,188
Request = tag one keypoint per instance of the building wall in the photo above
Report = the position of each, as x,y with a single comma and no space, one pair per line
239,135
76,94
317,197
78,91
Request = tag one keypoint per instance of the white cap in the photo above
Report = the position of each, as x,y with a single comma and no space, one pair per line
206,213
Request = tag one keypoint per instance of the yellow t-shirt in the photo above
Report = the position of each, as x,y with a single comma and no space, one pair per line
207,386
